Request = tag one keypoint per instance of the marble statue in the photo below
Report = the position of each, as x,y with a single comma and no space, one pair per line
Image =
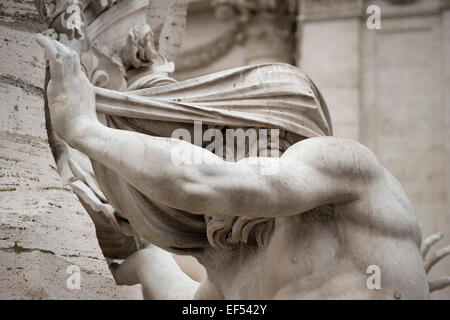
310,229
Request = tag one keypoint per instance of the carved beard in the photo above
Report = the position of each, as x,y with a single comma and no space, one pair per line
225,233
268,95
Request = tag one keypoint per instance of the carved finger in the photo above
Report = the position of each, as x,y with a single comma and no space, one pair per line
60,47
70,58
66,52
52,55
437,256
429,242
47,44
439,284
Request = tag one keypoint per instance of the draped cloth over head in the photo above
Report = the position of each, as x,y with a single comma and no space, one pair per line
267,96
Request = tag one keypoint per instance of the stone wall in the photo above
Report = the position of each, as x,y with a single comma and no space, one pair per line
43,229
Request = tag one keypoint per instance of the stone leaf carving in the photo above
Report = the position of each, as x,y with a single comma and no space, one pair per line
103,67
140,50
64,16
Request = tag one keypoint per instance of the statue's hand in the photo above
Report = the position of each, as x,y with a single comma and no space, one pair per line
71,96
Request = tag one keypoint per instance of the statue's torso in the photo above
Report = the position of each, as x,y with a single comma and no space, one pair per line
324,254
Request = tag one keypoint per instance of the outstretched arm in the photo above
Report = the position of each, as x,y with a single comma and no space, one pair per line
313,172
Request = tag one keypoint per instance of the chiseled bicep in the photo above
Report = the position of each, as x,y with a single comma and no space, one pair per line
312,173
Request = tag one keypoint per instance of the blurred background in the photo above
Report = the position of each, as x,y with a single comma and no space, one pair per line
382,66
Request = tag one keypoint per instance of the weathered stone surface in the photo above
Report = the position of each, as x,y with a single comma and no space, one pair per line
43,229
312,228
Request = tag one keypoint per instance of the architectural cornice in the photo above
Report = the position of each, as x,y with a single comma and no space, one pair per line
320,10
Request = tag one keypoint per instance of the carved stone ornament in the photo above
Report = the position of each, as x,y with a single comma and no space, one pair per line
140,49
64,16
104,67
155,33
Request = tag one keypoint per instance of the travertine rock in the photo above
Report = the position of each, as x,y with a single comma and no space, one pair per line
43,229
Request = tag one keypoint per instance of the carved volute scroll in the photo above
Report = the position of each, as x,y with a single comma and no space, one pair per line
151,33
64,16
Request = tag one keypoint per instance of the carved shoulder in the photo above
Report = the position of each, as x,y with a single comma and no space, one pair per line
337,157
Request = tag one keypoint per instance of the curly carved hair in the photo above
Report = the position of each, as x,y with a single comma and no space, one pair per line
224,233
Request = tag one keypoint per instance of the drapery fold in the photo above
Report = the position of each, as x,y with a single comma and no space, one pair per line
265,95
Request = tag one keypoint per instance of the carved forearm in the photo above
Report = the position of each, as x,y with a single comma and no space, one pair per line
153,165
162,169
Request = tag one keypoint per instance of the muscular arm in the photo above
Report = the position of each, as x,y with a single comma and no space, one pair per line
311,173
